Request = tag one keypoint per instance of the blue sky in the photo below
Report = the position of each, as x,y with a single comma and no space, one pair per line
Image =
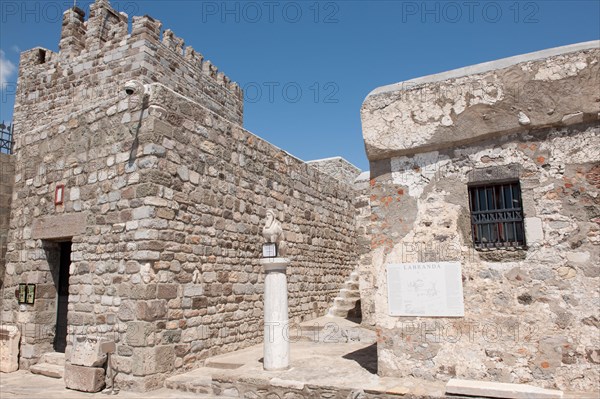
308,65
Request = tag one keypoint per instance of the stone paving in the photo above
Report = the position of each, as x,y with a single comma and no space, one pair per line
23,384
332,358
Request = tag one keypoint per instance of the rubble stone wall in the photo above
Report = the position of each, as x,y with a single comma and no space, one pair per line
531,315
216,181
164,204
337,167
88,154
98,55
7,176
70,121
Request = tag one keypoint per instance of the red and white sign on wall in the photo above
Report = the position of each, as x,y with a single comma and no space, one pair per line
59,194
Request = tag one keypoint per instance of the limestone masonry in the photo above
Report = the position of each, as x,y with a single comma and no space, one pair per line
164,196
532,310
132,214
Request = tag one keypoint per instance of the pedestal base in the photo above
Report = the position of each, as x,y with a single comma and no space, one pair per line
276,334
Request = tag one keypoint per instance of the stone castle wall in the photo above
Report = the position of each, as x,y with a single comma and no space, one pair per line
166,238
97,56
7,176
531,315
346,172
337,167
164,203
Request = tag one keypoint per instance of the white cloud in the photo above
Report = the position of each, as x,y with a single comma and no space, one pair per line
7,68
16,49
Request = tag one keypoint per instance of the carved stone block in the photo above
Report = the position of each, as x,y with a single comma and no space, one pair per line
86,352
9,348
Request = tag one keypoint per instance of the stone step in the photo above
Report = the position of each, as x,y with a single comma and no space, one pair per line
349,294
344,303
347,298
55,358
500,390
48,370
222,365
337,312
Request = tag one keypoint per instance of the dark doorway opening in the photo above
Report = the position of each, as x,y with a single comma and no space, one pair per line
62,296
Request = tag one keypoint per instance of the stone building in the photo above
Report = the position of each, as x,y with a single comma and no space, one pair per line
138,199
138,204
495,166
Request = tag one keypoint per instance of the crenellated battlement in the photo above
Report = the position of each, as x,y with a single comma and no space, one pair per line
98,55
105,25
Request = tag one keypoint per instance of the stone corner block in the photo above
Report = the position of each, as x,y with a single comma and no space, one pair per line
84,379
533,230
86,352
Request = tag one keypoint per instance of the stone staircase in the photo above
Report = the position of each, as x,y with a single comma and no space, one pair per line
51,364
346,303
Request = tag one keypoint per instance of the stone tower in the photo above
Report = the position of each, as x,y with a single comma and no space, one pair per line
137,212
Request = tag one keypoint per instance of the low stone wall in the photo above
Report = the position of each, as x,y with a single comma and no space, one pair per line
531,314
7,176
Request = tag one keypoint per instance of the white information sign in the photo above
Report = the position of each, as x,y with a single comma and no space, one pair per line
425,289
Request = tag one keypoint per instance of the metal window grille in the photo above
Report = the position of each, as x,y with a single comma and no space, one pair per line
6,139
497,215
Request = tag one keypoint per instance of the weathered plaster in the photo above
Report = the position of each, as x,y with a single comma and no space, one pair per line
474,103
550,287
531,314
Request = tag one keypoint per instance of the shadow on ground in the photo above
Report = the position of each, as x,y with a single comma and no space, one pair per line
365,357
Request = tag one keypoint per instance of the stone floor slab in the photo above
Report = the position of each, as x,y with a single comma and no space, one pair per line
487,389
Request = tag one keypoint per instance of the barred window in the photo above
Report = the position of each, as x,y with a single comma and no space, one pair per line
497,215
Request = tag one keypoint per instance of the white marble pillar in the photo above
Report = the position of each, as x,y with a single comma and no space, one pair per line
276,340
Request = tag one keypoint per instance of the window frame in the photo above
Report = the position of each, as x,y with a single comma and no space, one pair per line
505,225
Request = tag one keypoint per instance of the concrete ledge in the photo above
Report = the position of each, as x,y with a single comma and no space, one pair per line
499,390
556,88
486,66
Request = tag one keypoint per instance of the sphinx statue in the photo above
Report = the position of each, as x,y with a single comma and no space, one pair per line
273,233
